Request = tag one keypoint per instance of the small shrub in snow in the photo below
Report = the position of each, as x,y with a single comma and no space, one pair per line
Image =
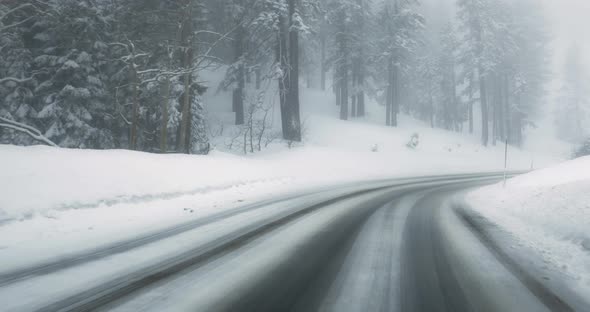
414,141
375,148
583,149
256,133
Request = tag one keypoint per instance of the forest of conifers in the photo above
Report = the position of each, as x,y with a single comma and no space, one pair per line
129,73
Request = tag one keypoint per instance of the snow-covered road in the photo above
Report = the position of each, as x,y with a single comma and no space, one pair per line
387,245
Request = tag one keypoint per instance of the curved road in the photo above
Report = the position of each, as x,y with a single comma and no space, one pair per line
400,245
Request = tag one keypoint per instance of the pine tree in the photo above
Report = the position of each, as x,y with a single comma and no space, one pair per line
400,26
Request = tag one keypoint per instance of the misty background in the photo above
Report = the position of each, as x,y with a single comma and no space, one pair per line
241,75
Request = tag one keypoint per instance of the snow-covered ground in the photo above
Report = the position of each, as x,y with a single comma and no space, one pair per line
547,211
56,201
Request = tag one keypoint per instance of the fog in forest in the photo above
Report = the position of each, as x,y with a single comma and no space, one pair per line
162,75
295,155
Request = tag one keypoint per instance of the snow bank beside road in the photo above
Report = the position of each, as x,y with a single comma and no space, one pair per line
37,179
548,211
71,200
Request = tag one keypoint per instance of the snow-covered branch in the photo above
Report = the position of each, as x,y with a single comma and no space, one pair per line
26,129
15,80
20,7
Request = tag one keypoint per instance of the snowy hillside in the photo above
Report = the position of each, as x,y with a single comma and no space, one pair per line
548,211
43,178
58,198
98,195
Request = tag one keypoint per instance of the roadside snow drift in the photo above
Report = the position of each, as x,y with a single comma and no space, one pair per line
55,201
35,180
547,210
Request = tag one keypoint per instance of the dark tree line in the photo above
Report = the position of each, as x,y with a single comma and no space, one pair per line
125,74
128,74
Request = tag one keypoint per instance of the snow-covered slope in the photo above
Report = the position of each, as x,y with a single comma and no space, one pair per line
548,211
38,179
69,199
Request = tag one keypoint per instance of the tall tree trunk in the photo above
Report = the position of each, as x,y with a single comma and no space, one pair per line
293,115
238,93
453,93
506,117
282,62
186,111
470,113
360,79
323,57
323,41
187,49
135,108
395,105
389,94
337,91
165,93
430,105
343,78
471,101
494,102
353,106
344,93
517,123
361,93
501,105
484,109
354,80
258,74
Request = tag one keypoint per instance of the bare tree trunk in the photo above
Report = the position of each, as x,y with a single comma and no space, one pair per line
470,112
395,107
354,80
430,106
484,109
453,93
353,105
186,104
337,91
258,73
517,123
344,93
282,60
165,92
238,93
185,43
501,106
343,65
293,121
360,78
135,108
494,102
323,54
389,94
361,93
506,117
